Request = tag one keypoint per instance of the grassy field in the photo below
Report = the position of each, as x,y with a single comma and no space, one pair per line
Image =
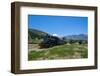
72,51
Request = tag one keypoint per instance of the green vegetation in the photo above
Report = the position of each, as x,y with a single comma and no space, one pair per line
66,51
35,36
43,46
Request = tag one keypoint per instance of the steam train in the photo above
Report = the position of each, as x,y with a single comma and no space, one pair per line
50,41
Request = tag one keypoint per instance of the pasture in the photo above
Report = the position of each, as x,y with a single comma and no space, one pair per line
66,51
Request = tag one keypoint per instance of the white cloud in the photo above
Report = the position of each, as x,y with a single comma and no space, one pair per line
55,34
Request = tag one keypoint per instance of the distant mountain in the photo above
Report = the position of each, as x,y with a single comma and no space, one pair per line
77,37
35,36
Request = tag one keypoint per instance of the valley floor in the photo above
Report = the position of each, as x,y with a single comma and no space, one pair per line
66,51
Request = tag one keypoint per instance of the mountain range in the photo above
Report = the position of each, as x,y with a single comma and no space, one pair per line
34,33
77,37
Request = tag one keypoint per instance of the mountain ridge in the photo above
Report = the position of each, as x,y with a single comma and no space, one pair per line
34,33
77,37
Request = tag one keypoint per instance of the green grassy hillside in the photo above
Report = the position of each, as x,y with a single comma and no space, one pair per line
73,51
35,36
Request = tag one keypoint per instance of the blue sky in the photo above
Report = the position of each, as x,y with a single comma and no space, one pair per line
60,25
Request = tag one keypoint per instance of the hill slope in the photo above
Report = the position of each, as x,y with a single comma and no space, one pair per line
34,34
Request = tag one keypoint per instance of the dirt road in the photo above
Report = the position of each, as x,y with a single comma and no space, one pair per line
34,47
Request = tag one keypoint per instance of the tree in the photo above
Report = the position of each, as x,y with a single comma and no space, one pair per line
71,41
80,42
